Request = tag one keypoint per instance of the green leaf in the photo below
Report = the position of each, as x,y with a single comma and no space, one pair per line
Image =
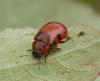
81,62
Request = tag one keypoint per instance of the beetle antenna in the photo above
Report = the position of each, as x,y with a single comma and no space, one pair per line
25,55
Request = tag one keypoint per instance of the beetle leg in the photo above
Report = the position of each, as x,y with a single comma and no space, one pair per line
58,49
38,58
29,50
25,55
46,56
65,41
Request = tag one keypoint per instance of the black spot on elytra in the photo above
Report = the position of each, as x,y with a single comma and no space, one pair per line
58,36
57,27
64,31
41,39
48,37
52,43
44,45
49,22
35,42
40,33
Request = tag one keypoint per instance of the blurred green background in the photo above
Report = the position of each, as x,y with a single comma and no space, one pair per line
36,13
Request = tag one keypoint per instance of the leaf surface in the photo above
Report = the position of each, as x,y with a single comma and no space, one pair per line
81,62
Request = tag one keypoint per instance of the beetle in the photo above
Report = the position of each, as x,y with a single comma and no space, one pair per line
48,38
